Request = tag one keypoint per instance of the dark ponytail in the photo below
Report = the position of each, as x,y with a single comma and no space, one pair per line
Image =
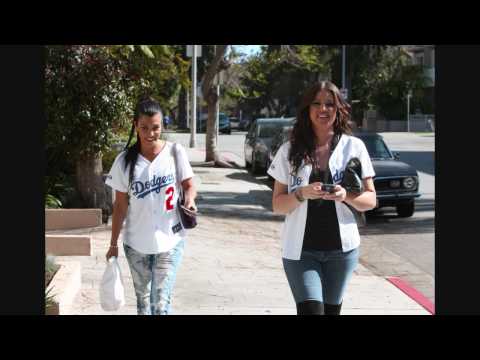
132,155
146,106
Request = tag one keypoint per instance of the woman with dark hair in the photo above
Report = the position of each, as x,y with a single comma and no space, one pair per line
320,236
147,180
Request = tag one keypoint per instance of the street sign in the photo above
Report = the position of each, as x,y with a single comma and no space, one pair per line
344,93
190,50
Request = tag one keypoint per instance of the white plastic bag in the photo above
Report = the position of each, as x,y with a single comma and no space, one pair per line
112,293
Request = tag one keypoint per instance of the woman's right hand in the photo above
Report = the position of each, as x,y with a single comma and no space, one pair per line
112,251
312,191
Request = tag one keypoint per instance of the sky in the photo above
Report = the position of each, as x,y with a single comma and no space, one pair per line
248,49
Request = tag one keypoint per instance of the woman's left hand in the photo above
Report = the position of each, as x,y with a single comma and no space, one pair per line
190,204
340,194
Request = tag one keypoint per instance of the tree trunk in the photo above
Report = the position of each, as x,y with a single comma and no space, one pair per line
211,138
90,183
208,89
182,109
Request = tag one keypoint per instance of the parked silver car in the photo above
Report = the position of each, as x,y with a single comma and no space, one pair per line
259,139
281,137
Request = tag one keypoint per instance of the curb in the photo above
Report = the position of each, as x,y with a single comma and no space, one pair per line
231,161
226,158
413,293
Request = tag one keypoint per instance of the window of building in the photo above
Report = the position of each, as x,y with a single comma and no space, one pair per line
419,59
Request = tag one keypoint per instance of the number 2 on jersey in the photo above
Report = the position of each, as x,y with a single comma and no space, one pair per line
169,199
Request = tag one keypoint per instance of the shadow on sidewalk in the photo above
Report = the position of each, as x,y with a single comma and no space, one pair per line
424,205
421,205
256,179
383,224
244,176
240,206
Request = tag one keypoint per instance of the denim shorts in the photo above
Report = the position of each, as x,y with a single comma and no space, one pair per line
321,275
153,278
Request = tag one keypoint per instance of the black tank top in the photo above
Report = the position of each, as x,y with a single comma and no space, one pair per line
321,229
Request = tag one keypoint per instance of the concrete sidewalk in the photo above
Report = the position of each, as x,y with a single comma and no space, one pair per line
232,262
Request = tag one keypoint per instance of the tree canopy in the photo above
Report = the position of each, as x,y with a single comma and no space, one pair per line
91,92
378,76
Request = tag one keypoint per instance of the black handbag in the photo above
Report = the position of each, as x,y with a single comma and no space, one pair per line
352,182
352,176
188,217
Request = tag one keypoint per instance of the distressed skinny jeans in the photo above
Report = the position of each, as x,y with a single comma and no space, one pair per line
154,277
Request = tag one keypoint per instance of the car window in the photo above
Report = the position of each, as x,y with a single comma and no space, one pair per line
377,148
286,131
282,136
251,131
223,119
269,130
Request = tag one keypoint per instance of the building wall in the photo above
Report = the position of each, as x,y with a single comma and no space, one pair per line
424,55
418,123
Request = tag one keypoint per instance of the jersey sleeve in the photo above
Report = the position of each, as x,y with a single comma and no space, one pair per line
279,168
184,169
367,167
117,178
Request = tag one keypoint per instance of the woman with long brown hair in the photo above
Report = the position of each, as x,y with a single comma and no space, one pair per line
320,235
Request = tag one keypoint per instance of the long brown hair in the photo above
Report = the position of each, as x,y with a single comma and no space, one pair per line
302,138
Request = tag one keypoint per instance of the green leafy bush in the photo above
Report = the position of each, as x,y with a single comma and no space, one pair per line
51,202
60,191
50,269
108,157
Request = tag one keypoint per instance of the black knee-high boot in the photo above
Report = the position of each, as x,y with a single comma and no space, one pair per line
332,309
310,307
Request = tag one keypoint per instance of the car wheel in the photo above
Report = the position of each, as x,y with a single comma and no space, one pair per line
255,168
267,166
406,209
247,164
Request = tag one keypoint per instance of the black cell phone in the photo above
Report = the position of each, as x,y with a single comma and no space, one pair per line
330,188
